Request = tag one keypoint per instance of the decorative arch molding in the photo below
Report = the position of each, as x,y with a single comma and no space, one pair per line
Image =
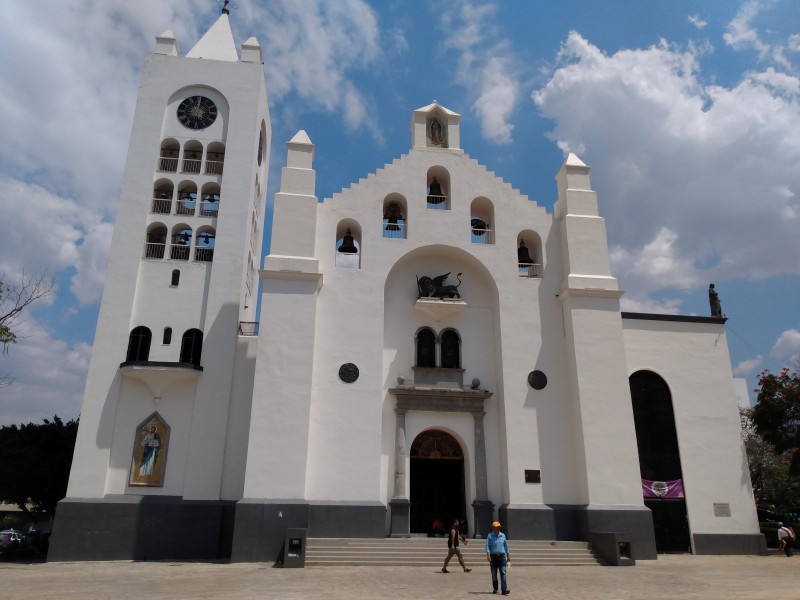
436,444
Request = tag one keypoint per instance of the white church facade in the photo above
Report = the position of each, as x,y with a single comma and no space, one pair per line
430,344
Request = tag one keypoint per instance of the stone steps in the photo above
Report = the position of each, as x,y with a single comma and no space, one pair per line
431,552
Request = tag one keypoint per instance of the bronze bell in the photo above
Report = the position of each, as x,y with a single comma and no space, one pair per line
392,216
348,247
435,195
479,226
523,257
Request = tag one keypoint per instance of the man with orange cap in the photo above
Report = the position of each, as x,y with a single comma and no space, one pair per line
498,557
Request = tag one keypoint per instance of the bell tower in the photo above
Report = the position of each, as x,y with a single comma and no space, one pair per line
180,288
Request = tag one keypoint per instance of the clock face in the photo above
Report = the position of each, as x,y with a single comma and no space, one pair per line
197,112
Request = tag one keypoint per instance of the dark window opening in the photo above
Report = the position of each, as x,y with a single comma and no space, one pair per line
139,344
451,352
167,336
426,348
192,347
176,277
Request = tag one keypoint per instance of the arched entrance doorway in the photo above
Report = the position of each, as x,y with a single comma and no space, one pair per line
437,480
660,460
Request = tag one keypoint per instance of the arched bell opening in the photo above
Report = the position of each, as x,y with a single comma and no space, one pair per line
348,245
660,460
395,210
438,188
481,220
529,254
437,480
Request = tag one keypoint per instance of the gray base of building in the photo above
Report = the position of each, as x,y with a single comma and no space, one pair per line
730,543
260,524
577,522
141,528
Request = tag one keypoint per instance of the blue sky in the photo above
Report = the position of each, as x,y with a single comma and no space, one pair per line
687,112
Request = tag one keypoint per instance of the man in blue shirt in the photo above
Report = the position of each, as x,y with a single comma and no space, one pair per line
498,557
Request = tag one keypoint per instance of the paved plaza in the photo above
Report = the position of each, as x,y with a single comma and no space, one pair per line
669,577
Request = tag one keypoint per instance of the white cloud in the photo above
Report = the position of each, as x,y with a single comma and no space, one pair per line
748,367
694,179
697,21
31,395
788,344
472,32
312,46
741,34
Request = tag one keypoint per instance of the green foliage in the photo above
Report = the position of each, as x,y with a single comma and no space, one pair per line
776,415
36,459
773,484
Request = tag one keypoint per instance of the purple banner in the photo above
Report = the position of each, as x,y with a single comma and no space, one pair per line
662,489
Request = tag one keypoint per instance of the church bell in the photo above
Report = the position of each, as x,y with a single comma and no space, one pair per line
523,257
348,247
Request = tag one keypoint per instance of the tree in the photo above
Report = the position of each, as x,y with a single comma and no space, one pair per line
15,298
773,485
776,415
36,459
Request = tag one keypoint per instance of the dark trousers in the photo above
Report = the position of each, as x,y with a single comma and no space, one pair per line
498,563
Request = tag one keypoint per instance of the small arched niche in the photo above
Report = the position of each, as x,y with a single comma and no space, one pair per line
348,245
204,244
395,210
192,157
187,198
181,242
481,220
209,200
156,241
529,254
215,158
168,157
438,188
162,197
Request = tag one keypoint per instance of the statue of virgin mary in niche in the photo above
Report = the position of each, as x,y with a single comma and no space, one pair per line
436,132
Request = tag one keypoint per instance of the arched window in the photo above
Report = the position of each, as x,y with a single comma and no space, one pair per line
209,200
192,157
167,340
451,349
204,247
181,242
426,348
176,277
139,344
529,253
348,245
187,198
215,158
481,219
438,187
192,347
156,241
162,197
394,216
168,158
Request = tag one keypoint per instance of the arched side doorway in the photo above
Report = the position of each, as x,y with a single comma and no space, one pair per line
437,480
660,460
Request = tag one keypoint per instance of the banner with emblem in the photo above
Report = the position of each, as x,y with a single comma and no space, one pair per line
663,489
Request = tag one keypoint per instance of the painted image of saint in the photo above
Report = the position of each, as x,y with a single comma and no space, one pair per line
436,132
150,447
151,444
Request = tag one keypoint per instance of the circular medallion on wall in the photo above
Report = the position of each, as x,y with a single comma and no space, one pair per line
537,380
197,112
348,372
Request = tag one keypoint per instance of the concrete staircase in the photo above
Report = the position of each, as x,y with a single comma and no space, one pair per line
431,552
